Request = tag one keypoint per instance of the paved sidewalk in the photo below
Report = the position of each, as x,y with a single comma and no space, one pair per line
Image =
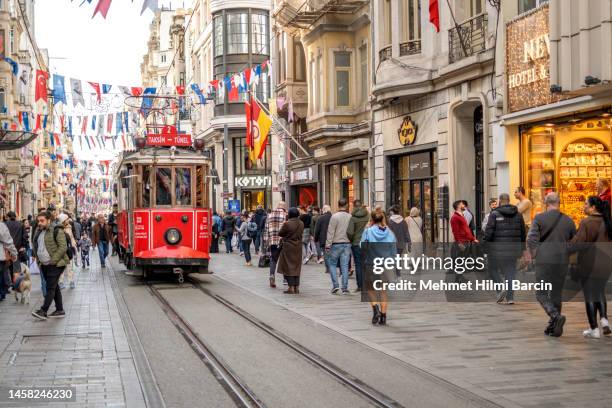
88,349
493,350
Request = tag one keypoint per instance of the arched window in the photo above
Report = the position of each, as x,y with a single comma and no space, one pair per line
299,61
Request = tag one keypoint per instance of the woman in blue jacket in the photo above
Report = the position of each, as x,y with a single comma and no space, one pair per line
377,241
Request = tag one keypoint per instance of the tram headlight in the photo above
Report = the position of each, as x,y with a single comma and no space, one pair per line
173,236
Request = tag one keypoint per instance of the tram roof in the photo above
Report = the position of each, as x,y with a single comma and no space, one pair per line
162,155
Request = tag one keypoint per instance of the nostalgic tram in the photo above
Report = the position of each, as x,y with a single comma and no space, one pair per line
164,217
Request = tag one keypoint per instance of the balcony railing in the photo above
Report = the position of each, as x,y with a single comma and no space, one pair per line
299,148
468,38
410,47
384,53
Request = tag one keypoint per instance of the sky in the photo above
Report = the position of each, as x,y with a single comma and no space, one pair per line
99,50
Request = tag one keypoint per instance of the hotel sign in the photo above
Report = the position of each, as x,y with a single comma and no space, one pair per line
528,61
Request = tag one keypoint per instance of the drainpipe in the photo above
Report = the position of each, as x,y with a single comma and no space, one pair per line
371,170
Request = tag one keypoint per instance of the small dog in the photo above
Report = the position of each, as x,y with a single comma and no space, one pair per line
22,284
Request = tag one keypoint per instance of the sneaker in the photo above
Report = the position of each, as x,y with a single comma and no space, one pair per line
335,291
591,333
346,292
500,296
58,313
320,261
605,326
248,264
62,285
40,314
510,302
72,285
305,261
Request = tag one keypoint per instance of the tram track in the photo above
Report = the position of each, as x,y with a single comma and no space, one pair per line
374,397
237,389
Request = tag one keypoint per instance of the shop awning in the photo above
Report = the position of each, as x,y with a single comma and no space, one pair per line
15,139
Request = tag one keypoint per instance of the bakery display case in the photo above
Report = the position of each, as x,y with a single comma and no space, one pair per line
540,172
581,163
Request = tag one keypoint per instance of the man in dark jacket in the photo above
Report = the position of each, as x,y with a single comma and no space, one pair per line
228,224
359,219
260,219
505,235
18,234
547,241
320,233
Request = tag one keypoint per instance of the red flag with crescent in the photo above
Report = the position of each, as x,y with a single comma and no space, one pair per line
41,85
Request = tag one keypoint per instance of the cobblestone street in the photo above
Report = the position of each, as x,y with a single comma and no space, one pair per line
88,349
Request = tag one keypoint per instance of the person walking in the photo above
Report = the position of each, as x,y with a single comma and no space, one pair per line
524,205
359,220
101,236
114,228
18,234
259,219
592,242
8,249
603,190
274,222
399,227
316,249
306,218
290,257
469,216
320,232
84,245
505,236
247,230
547,241
68,274
485,220
50,248
377,242
415,231
215,232
464,237
228,224
338,246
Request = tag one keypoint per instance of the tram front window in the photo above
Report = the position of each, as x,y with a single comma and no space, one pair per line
163,186
182,184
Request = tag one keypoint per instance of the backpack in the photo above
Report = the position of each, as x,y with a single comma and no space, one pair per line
251,229
70,251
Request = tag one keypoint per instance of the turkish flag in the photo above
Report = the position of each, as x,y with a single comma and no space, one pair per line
41,85
136,91
102,8
434,14
96,87
180,90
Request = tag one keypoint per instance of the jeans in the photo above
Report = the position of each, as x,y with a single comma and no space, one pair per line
3,282
507,267
246,246
258,241
52,275
43,283
274,254
228,243
103,251
339,253
551,299
358,269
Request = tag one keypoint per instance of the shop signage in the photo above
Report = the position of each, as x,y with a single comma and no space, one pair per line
160,139
227,195
253,181
233,206
304,175
407,132
528,61
420,165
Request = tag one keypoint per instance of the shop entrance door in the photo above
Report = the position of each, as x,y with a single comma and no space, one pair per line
422,197
252,198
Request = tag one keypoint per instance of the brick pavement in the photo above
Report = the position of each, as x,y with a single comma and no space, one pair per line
494,350
88,349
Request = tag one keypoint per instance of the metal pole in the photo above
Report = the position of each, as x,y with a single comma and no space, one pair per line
226,141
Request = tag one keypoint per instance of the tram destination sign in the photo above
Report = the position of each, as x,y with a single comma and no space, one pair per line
161,139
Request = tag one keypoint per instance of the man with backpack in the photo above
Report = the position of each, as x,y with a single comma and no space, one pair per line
50,250
248,232
101,236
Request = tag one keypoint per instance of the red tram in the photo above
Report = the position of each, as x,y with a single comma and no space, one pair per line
164,217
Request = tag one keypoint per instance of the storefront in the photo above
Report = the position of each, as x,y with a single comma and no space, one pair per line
413,183
567,156
252,179
304,182
349,180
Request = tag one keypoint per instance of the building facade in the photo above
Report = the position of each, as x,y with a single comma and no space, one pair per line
324,70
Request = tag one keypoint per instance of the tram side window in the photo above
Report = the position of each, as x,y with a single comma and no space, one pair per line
182,183
200,191
163,186
146,187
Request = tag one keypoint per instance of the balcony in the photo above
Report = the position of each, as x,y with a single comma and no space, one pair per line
468,38
410,48
385,53
302,16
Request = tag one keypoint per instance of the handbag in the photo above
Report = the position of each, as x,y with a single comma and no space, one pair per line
264,261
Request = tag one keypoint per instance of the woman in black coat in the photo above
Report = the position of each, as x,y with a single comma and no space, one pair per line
290,259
